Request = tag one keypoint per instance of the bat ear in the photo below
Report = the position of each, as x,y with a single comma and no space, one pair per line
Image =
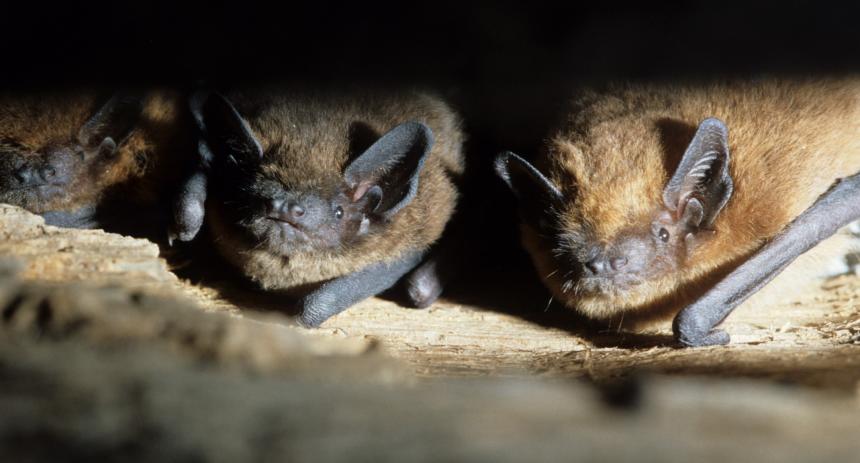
702,184
537,195
112,123
387,173
225,134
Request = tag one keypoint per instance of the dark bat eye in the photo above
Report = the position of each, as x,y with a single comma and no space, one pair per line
338,212
663,234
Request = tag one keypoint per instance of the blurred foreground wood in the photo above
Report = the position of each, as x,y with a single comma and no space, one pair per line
106,355
141,405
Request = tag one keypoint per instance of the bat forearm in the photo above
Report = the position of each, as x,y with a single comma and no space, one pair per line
337,295
832,211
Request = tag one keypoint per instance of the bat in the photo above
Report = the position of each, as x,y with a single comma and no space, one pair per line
64,155
329,198
688,199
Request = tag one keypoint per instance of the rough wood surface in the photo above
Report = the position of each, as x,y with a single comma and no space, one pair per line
106,355
814,340
57,254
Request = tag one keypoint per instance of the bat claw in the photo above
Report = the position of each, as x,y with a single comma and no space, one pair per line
180,232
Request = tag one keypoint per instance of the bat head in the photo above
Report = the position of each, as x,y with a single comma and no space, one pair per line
600,268
59,171
284,213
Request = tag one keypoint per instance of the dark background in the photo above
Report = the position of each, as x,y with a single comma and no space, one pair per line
500,62
462,44
506,66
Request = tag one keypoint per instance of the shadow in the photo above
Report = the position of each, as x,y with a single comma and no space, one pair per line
674,138
196,263
361,137
630,340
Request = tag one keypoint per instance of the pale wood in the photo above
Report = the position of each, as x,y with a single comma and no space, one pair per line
106,355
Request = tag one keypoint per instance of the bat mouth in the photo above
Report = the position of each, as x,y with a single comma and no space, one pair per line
284,238
288,230
28,196
37,187
608,285
281,221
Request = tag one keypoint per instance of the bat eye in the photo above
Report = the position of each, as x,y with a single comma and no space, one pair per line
663,234
338,212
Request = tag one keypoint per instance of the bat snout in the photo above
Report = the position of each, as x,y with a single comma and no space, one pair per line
286,211
604,264
31,176
616,267
34,175
302,213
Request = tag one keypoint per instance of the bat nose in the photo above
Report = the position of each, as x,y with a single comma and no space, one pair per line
605,265
296,210
30,176
596,266
286,211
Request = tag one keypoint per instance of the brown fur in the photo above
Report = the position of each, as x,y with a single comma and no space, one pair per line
789,142
139,172
310,140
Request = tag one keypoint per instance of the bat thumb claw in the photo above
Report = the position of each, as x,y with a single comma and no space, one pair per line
171,237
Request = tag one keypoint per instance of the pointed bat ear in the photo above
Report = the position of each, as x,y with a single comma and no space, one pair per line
226,134
702,184
112,123
387,173
537,195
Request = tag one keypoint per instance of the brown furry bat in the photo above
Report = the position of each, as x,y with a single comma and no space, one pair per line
333,198
653,198
63,154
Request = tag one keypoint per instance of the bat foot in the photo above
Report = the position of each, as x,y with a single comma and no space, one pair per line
189,209
186,225
712,338
423,285
177,234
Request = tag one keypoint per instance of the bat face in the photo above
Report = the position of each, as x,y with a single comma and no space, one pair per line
65,168
285,210
286,220
600,252
598,269
37,181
